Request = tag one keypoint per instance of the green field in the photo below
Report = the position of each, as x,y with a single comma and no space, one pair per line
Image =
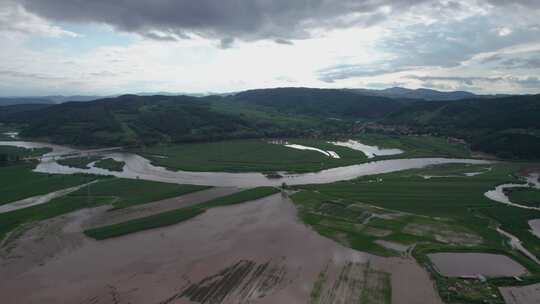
244,156
19,182
110,164
447,213
177,216
120,193
525,196
78,162
417,146
22,152
261,156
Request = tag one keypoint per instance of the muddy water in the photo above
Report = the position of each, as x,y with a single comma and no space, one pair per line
369,151
458,264
535,227
521,294
139,167
255,252
39,199
498,194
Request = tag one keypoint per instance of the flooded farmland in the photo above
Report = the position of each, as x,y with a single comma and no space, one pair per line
256,252
468,264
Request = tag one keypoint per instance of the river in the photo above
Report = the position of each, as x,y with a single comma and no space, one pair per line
138,167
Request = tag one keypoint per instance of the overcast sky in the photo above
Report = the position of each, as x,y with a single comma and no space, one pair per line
102,47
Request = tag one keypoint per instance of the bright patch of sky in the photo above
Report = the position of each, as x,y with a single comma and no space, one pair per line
101,48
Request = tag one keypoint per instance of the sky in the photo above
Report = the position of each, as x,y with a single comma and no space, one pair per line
104,47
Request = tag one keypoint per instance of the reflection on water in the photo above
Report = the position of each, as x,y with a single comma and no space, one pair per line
369,151
138,167
499,195
471,264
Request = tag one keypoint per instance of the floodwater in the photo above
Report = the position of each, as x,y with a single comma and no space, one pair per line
138,167
369,151
516,243
13,135
466,264
255,252
521,294
39,199
535,227
498,194
331,154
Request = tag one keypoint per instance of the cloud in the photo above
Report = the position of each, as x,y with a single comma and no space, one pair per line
35,76
345,71
529,82
226,43
242,19
15,19
462,80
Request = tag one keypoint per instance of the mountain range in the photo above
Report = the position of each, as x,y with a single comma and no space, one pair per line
507,126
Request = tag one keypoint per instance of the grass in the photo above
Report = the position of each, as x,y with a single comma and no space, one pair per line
247,156
261,156
22,152
128,192
119,193
19,182
110,164
416,146
150,222
525,196
78,162
446,207
177,216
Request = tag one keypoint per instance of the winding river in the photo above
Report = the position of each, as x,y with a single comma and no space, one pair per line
138,167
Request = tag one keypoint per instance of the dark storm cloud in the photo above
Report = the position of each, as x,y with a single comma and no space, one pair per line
243,19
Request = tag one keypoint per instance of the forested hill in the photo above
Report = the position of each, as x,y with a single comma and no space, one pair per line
319,102
129,120
135,120
507,126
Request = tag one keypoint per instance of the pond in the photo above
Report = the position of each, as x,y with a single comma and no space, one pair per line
473,264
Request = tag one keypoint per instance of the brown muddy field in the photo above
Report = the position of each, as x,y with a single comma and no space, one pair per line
255,252
521,295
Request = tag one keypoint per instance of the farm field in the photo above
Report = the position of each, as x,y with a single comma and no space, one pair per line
176,216
262,156
437,209
119,193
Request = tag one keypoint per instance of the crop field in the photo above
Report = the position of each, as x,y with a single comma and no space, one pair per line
248,156
525,196
444,213
177,216
120,193
417,146
261,156
19,182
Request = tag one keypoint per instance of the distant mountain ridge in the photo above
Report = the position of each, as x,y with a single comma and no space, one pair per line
422,94
394,93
